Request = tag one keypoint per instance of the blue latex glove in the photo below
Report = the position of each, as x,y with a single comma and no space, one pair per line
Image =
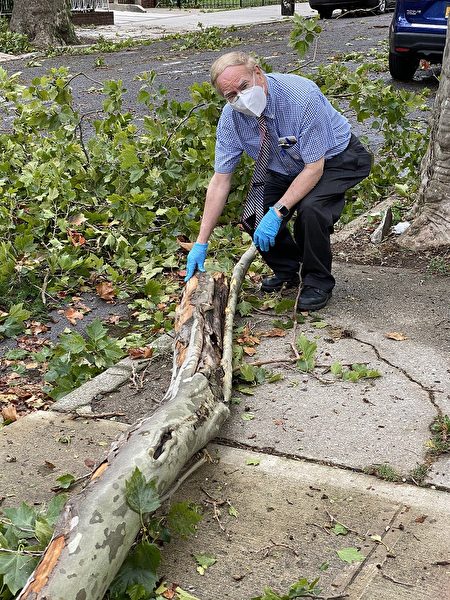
196,259
267,230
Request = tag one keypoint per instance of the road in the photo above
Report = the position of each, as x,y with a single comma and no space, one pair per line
178,69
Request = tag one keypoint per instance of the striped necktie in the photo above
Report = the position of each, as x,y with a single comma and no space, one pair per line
254,205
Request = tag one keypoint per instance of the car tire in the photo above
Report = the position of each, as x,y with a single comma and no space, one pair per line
325,12
381,8
402,68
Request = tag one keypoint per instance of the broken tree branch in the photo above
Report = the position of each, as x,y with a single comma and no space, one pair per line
97,528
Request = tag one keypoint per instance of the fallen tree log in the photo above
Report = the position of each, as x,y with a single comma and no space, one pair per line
97,528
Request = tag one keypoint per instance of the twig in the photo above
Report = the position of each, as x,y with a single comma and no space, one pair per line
294,329
267,549
83,75
324,529
204,459
27,552
237,277
183,121
334,520
389,578
97,415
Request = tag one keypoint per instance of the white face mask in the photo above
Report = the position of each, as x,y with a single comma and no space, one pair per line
251,101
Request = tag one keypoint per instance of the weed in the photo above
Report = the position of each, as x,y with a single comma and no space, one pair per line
12,42
383,471
419,473
439,265
440,442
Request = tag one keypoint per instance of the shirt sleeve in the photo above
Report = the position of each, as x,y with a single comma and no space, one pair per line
316,131
228,148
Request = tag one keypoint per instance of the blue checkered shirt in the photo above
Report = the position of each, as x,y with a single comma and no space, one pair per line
295,107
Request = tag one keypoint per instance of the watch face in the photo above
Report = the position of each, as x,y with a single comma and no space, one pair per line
283,209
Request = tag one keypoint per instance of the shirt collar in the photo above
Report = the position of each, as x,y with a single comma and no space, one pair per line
269,111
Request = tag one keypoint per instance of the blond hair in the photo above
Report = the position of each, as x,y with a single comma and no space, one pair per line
230,59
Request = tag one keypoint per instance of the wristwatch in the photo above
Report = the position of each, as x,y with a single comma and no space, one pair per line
282,209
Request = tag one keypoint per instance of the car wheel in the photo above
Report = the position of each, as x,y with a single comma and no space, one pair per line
401,67
325,12
381,8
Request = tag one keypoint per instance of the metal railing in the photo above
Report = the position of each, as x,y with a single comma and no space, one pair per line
6,6
214,3
88,5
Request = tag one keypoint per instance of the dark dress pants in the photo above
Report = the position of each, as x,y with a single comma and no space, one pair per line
315,216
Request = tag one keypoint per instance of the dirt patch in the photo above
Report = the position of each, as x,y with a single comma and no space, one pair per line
141,395
358,249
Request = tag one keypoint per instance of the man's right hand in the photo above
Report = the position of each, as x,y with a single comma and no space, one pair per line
196,260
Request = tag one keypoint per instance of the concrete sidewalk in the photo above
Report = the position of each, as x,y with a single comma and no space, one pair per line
311,438
157,22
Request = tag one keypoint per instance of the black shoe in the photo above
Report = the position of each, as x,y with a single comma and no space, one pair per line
275,283
312,298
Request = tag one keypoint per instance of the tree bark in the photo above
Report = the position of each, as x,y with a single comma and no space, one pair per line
46,22
431,226
97,528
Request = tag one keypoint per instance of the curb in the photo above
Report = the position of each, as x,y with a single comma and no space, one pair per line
108,381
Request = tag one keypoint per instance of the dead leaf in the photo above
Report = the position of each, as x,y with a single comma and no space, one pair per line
9,413
37,327
105,290
77,220
187,246
73,315
136,353
396,335
279,422
274,333
7,398
77,239
49,465
113,319
89,463
420,519
249,350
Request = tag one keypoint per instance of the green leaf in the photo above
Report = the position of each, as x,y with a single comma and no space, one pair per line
138,569
55,507
244,308
182,595
253,461
66,481
247,372
183,518
141,495
204,561
23,518
16,568
319,324
339,529
284,305
43,531
247,416
232,511
336,368
350,555
324,566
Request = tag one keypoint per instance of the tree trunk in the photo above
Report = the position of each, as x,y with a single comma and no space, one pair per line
46,22
97,528
431,226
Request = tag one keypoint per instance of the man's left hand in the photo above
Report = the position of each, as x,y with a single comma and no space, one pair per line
266,232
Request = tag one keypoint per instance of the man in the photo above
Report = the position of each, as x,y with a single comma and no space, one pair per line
306,157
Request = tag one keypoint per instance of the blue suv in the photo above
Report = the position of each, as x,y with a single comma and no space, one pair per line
418,30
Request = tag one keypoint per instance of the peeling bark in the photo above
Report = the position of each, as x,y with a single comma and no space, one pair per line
46,22
97,528
431,226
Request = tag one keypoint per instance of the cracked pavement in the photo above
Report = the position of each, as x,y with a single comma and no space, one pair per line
302,461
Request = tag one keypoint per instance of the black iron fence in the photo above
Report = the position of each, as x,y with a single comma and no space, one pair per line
214,3
6,6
